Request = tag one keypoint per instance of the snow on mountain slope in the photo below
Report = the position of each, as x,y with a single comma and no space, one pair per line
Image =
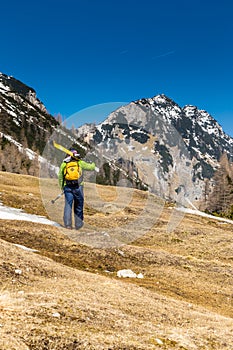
25,127
172,150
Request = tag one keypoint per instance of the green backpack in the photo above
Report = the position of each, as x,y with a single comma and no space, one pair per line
72,171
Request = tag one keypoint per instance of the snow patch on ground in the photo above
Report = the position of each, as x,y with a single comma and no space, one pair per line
200,213
8,213
26,248
128,274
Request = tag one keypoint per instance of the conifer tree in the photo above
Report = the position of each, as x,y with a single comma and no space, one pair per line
221,198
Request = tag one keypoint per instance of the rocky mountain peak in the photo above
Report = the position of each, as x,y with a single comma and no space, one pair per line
177,148
9,83
162,99
25,125
19,91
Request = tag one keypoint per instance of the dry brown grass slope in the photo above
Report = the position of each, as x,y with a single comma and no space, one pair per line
67,295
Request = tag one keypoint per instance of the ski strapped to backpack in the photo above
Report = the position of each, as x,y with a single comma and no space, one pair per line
62,148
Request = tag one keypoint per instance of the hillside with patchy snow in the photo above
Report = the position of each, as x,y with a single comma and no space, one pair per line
25,126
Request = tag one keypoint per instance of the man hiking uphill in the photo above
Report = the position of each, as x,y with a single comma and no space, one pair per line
70,179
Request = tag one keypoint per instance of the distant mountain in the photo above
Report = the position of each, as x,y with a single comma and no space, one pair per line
161,146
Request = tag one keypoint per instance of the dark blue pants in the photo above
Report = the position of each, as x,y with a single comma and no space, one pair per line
73,198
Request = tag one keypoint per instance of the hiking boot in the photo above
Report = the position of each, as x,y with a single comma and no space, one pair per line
79,226
68,227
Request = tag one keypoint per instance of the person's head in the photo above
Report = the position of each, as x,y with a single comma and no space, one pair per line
75,153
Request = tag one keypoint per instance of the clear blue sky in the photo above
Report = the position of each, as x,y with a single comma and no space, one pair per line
77,54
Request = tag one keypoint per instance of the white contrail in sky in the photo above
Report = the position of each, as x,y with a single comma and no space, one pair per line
164,54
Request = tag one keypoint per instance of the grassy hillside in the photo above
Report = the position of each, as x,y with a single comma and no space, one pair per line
68,296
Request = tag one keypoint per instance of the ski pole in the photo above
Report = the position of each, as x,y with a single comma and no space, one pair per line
59,196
